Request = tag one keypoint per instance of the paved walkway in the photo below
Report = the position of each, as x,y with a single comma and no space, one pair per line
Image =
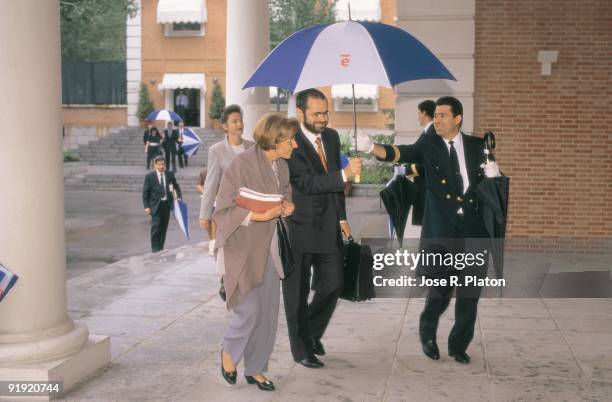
166,323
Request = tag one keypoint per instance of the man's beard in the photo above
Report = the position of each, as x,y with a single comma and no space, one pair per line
311,127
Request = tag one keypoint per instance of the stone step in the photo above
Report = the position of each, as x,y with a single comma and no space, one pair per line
124,147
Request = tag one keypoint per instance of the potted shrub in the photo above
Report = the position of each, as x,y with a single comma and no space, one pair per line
145,106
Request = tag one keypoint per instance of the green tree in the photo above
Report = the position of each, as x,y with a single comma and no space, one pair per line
289,16
95,30
145,106
217,102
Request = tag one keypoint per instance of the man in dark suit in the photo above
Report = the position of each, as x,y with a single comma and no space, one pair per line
182,157
425,116
316,228
158,200
169,145
145,139
451,161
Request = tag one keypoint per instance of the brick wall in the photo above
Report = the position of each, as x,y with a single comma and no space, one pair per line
554,133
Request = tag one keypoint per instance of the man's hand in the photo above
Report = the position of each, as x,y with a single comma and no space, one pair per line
363,142
287,208
148,211
205,224
491,169
354,168
345,228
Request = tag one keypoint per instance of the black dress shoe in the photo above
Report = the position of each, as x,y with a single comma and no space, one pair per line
430,348
460,357
311,362
229,376
264,385
317,348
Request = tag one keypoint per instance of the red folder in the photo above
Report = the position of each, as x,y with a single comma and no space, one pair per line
257,202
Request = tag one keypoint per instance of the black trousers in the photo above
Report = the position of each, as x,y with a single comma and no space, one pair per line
182,158
466,306
170,157
309,321
159,226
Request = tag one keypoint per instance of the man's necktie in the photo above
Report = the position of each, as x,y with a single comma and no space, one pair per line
163,186
320,152
454,164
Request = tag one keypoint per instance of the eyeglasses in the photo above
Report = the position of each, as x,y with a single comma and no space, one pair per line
290,142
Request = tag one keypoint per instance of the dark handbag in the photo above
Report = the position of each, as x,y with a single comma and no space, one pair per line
284,248
358,274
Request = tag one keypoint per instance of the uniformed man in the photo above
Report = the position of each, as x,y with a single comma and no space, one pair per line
451,163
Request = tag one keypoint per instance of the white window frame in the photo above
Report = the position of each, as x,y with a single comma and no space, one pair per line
340,106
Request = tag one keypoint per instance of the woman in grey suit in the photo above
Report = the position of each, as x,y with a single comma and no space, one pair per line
220,155
247,247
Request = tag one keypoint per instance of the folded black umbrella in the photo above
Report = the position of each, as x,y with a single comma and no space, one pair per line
397,198
493,193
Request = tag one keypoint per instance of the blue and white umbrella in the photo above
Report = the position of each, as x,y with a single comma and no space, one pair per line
349,52
7,280
182,217
191,142
163,114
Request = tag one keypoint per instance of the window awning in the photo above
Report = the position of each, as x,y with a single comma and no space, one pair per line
169,11
362,91
361,10
189,80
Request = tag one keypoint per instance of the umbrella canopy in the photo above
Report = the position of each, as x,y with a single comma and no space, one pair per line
182,217
163,114
191,142
397,198
349,52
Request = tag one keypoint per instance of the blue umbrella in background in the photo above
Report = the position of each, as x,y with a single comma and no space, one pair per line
7,280
191,142
182,217
163,114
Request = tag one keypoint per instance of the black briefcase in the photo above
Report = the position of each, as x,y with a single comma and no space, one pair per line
358,274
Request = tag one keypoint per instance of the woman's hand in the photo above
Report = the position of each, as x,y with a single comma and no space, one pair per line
268,215
287,207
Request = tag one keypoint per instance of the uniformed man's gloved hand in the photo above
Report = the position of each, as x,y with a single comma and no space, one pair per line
491,169
363,142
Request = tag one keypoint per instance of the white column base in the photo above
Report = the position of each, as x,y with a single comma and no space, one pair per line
94,355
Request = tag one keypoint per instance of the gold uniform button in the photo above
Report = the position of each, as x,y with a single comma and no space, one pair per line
459,199
443,181
448,196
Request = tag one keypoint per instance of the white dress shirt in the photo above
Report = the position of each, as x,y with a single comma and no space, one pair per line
312,137
458,144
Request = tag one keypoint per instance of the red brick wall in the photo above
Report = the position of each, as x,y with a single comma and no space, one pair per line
554,133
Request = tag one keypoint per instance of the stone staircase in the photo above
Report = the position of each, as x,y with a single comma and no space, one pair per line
124,147
116,162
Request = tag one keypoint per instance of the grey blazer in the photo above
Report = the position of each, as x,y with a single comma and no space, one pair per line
220,155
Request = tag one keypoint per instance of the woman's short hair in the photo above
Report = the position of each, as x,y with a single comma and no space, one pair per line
274,128
229,110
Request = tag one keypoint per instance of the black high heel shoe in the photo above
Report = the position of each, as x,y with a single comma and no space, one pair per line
229,376
264,385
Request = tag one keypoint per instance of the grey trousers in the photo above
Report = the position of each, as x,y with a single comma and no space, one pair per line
252,330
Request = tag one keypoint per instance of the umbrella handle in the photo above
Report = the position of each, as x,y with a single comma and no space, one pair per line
489,139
